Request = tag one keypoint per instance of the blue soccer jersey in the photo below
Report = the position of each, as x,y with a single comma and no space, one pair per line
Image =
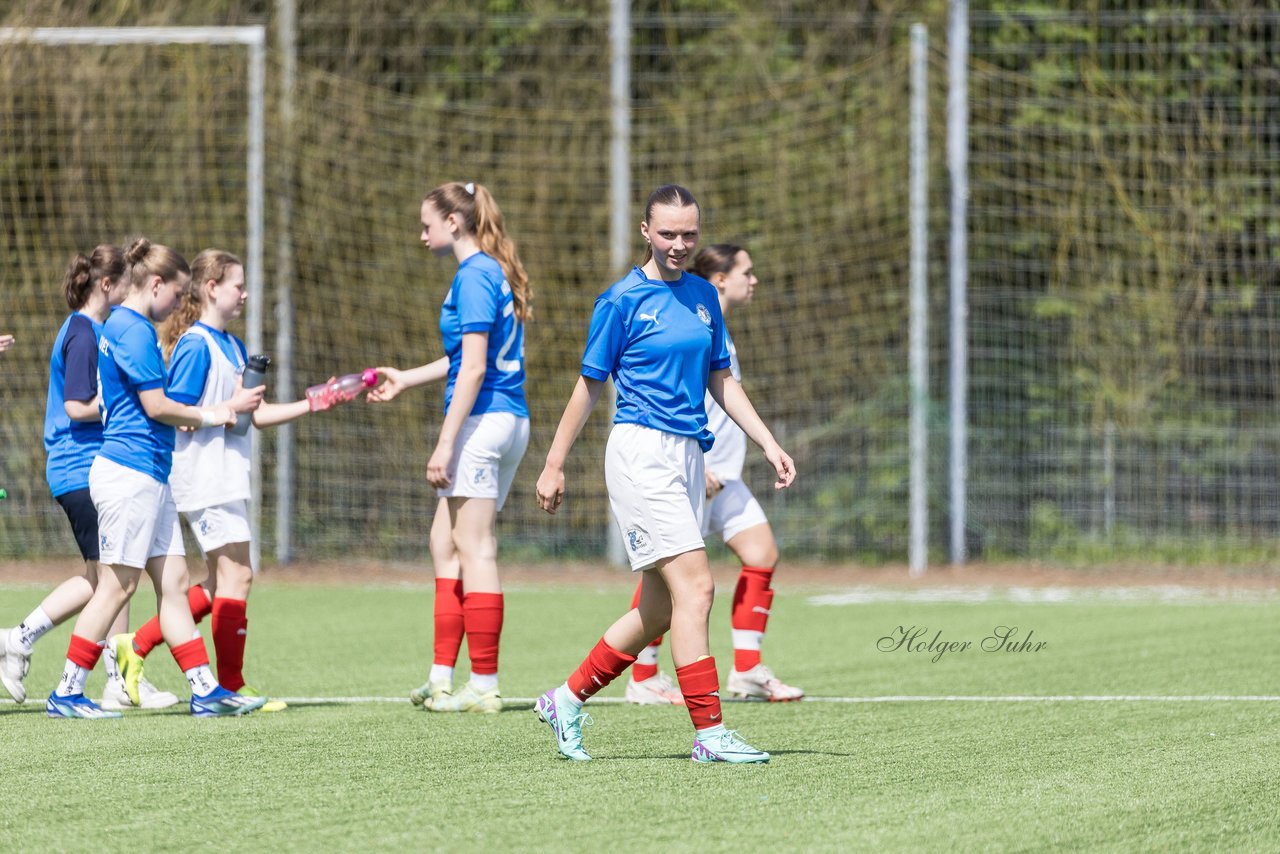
480,300
659,341
189,365
129,362
73,375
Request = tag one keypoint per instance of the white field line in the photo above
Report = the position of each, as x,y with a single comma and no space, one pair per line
888,698
905,698
1167,594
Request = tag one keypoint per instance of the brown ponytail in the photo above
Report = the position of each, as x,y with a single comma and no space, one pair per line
84,274
481,217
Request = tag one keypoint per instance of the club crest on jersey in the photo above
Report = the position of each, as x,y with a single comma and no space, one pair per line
638,541
704,315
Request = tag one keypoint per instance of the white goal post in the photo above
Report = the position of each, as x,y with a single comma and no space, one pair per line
254,39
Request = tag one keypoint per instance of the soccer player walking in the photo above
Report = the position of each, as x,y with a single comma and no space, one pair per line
660,335
482,439
211,466
734,514
72,435
128,481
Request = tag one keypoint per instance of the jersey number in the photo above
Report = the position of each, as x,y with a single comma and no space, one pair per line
504,364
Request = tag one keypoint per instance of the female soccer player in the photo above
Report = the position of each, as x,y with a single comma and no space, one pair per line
735,515
659,333
128,481
210,478
483,437
72,436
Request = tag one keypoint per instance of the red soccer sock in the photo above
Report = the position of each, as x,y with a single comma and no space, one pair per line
449,621
83,652
230,631
646,666
700,685
482,619
149,637
752,600
190,654
601,666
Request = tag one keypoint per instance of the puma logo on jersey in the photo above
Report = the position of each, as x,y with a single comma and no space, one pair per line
653,317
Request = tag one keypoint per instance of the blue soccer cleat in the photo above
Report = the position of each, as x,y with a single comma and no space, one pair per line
76,706
220,703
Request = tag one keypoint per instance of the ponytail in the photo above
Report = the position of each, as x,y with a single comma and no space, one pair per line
84,274
77,282
481,217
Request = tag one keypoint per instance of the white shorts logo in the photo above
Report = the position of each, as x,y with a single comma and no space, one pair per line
638,541
703,314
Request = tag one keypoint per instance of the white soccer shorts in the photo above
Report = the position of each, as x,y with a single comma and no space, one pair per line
137,519
733,510
657,491
486,455
220,525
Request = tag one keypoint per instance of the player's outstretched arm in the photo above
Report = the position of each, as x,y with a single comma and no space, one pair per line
395,381
160,407
275,414
6,341
733,399
550,486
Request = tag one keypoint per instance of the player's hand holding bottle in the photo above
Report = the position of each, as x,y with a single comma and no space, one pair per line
392,384
343,389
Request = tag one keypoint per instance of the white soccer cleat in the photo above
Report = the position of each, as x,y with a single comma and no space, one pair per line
759,683
723,745
14,664
657,690
114,697
152,697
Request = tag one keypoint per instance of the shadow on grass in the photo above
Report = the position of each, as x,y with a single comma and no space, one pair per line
773,754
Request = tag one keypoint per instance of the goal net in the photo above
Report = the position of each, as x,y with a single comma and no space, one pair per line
806,168
108,134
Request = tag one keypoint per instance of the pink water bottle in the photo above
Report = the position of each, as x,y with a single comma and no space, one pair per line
340,390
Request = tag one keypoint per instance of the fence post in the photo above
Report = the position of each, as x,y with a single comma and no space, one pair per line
918,548
958,166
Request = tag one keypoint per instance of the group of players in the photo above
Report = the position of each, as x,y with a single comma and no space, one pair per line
673,469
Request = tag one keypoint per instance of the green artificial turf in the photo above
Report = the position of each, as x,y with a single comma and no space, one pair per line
899,752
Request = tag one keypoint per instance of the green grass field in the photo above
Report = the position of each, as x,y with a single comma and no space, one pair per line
1163,732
